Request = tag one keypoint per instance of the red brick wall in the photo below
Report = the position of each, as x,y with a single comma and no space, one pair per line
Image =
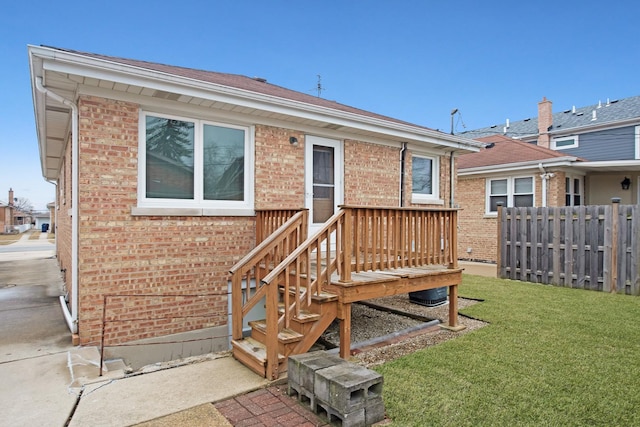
63,224
372,174
123,254
279,169
475,231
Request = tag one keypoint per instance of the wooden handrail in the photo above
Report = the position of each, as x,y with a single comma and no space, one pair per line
268,253
354,240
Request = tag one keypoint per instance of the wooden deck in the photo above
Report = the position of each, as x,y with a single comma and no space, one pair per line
306,283
382,283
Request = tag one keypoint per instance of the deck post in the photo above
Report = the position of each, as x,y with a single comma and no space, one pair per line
345,331
347,246
453,310
272,332
236,306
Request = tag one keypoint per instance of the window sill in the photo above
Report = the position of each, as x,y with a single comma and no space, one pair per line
422,201
158,211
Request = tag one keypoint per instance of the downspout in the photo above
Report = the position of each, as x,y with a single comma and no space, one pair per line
403,151
451,178
71,318
545,180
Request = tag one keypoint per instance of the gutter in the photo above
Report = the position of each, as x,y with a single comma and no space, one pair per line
509,167
100,68
70,317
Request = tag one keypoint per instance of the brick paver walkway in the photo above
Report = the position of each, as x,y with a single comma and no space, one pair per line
270,407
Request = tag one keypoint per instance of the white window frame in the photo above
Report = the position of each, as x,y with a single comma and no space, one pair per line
197,206
510,191
554,142
434,197
571,190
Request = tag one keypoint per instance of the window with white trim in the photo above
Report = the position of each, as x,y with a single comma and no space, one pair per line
425,171
186,163
564,142
573,191
512,191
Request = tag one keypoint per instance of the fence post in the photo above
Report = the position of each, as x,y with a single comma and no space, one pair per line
615,209
500,241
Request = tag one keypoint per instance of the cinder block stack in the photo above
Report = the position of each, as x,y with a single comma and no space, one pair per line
336,388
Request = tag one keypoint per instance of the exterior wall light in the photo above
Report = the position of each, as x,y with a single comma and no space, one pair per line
293,141
626,183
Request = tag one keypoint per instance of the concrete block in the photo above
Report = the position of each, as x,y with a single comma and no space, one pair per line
301,394
347,387
374,411
302,367
354,418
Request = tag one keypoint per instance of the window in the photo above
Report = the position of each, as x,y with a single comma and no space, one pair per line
518,192
565,142
424,179
573,191
188,163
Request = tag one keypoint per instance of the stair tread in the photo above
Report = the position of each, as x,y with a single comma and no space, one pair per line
254,348
303,317
322,297
286,335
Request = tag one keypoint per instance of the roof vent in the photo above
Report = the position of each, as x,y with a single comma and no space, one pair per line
573,109
593,115
608,103
599,104
507,123
260,79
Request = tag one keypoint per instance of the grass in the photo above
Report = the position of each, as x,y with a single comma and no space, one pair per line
7,239
550,357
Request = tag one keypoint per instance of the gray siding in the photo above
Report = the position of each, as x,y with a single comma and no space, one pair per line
610,144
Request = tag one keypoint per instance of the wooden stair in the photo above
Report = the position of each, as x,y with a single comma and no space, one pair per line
303,331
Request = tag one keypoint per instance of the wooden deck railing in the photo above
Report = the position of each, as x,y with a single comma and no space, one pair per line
355,239
280,233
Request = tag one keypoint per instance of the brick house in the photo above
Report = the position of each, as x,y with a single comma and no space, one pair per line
12,219
160,171
578,156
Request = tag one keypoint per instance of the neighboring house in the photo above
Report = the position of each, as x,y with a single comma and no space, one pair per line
12,219
160,171
41,218
579,156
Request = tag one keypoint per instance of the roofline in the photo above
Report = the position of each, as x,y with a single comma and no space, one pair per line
508,167
76,63
606,164
599,126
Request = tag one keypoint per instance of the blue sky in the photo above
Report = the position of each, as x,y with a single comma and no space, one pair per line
412,60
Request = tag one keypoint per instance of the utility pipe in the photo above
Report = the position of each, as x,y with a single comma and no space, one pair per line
402,169
71,318
545,176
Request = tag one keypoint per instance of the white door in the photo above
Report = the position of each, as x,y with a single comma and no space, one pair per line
323,179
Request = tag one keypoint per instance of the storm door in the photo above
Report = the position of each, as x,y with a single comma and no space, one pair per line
323,179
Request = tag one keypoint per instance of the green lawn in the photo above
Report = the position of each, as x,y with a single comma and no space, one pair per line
550,357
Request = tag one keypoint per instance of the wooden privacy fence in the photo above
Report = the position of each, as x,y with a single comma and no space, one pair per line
586,247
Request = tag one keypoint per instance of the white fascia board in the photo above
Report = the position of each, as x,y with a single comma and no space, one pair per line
510,167
39,106
68,63
608,164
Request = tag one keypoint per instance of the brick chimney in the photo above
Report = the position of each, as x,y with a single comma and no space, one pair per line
10,197
545,121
